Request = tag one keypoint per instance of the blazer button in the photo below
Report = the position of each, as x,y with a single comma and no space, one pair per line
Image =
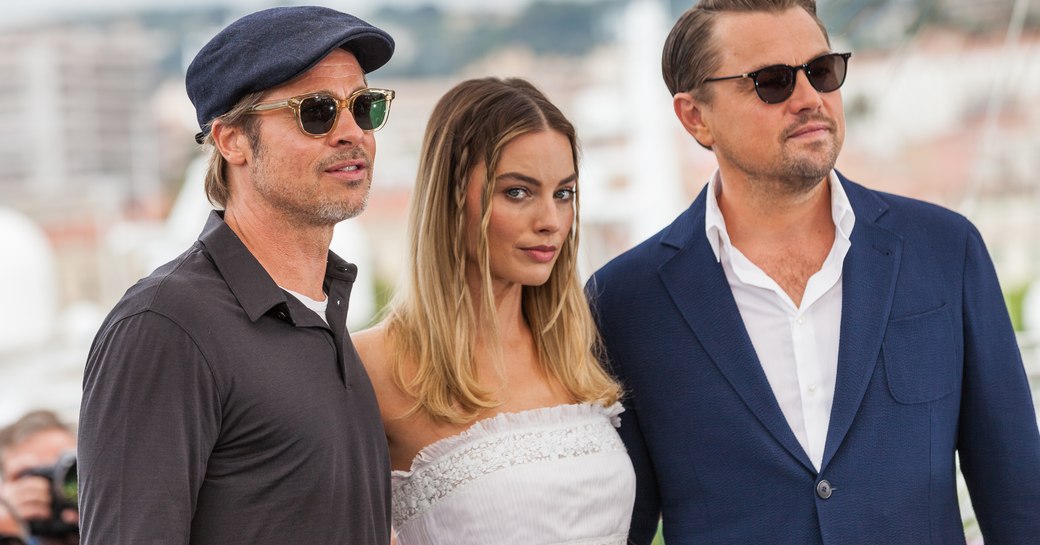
824,489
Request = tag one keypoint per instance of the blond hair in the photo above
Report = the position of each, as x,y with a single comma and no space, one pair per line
218,189
431,325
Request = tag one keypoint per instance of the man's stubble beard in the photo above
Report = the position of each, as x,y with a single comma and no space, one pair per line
790,174
798,176
292,198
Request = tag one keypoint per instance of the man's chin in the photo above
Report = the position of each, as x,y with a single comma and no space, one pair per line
812,166
331,214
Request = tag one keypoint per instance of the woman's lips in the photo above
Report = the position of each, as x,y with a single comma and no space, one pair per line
541,254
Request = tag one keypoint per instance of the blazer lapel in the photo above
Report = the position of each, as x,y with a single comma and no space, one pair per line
868,286
697,285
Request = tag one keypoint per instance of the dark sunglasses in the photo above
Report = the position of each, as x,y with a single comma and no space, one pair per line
774,84
316,113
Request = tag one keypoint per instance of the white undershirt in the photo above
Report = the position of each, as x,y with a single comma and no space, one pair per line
797,346
320,307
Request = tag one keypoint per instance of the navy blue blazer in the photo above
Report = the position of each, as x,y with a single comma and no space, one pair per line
928,367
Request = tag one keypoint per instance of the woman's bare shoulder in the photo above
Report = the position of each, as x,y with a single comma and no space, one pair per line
371,345
370,341
374,348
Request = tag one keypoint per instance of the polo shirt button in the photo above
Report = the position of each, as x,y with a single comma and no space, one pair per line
824,489
281,315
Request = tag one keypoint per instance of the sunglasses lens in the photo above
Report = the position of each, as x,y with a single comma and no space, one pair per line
369,110
827,73
318,114
774,84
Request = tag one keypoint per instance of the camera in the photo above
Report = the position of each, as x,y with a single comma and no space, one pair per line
64,495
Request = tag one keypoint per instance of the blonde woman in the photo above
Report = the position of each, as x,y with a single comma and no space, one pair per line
501,422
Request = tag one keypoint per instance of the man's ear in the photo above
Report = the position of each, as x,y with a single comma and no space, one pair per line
690,112
231,142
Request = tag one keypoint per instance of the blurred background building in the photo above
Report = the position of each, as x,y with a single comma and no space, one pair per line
100,179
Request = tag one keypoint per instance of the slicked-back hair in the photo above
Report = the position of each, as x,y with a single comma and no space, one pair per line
691,51
433,320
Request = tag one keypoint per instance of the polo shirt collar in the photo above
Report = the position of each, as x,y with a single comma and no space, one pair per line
247,279
255,290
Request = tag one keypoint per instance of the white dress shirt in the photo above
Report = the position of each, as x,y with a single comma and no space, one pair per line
796,345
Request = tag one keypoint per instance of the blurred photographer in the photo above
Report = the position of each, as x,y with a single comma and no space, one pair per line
12,531
38,470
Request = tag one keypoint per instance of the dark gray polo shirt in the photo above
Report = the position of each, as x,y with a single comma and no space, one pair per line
217,409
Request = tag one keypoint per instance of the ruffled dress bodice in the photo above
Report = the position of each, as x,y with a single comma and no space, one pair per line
551,476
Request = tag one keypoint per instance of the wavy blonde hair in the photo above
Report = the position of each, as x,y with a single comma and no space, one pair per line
432,323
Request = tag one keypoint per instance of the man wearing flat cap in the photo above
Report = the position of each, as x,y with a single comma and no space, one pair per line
223,401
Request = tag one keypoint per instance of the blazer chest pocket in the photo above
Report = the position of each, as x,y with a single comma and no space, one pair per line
921,362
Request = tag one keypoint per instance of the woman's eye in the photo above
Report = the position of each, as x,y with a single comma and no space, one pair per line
565,194
516,192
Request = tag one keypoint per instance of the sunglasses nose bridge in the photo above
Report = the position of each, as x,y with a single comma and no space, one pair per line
806,74
346,106
802,83
776,84
366,111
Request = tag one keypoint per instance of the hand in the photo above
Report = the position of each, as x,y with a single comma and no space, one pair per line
9,526
29,497
70,516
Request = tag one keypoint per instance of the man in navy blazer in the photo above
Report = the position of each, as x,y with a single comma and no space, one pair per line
805,358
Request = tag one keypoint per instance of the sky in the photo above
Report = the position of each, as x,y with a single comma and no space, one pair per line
23,11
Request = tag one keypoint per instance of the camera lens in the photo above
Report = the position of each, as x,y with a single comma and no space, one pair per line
64,496
70,486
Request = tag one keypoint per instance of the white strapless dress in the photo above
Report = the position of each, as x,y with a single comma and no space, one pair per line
551,476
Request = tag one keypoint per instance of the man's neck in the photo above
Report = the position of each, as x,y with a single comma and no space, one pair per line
294,255
757,211
788,236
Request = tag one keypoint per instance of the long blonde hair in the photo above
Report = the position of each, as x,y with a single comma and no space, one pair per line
432,323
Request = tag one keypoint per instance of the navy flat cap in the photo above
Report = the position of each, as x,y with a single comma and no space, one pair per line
272,46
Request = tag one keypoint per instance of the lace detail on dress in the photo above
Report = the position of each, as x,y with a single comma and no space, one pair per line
503,441
619,539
